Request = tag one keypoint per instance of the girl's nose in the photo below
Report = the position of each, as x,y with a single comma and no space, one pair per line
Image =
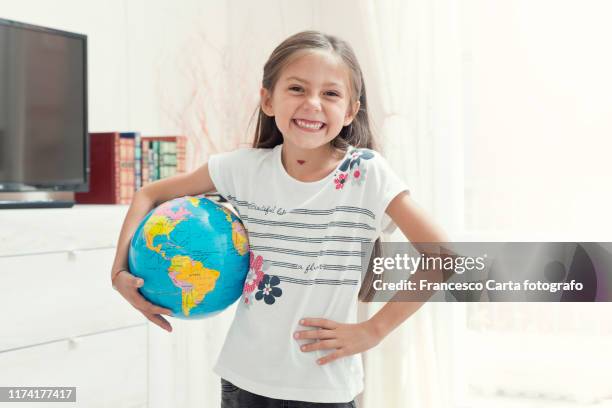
313,102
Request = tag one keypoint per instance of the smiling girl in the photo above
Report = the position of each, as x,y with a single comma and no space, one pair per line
310,191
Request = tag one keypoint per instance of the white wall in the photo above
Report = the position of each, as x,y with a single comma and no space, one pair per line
537,112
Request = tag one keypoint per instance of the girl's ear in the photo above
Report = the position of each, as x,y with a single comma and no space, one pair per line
266,102
350,115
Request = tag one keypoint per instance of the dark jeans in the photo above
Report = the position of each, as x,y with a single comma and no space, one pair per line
234,397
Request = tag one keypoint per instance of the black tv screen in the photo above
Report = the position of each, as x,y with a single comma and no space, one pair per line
43,109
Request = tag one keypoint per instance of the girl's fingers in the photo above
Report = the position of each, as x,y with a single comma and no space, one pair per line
147,307
158,320
137,282
319,322
160,310
132,280
315,334
154,309
139,302
320,345
331,357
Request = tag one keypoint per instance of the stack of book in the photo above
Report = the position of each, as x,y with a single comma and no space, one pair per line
122,162
162,156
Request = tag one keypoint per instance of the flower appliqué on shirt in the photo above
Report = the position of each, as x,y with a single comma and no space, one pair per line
353,168
268,289
254,277
258,285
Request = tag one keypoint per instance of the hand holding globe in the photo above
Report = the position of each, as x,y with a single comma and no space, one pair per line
191,256
127,285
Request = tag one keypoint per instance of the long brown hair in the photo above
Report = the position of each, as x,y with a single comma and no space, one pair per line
357,134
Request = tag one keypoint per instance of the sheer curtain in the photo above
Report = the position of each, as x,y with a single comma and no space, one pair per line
562,144
415,55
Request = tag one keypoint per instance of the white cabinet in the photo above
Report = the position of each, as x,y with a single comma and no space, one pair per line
62,324
108,369
54,296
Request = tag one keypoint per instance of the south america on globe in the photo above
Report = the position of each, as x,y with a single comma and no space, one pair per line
193,255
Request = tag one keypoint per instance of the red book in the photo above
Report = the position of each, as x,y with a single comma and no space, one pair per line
111,177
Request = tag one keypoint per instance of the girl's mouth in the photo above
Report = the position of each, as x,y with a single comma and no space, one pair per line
308,126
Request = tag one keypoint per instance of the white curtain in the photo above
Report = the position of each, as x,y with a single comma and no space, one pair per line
415,60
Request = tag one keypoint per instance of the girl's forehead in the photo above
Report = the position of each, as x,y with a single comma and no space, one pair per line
316,66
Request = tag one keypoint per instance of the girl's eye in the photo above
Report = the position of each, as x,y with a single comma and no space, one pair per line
299,89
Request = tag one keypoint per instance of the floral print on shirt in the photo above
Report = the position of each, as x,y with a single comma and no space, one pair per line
268,289
266,285
254,276
353,168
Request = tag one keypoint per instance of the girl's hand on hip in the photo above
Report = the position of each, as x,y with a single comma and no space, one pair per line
344,338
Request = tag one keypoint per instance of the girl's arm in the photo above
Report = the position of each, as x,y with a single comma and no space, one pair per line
351,338
417,227
149,196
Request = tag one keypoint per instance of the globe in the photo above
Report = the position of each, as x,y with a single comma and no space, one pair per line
193,255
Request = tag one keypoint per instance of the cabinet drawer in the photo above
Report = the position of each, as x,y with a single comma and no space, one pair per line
108,369
60,229
54,296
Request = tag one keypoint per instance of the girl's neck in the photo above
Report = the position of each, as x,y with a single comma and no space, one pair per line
310,165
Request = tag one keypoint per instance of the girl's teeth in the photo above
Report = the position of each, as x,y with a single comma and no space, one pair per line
309,126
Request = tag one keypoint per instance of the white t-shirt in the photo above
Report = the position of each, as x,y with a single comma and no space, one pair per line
305,240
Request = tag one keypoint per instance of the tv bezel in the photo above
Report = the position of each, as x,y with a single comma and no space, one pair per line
15,186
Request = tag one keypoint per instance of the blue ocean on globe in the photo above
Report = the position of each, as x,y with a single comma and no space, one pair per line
193,255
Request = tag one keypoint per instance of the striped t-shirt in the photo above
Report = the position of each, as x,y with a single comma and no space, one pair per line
305,240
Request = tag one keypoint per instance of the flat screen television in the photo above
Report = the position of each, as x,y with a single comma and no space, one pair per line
43,112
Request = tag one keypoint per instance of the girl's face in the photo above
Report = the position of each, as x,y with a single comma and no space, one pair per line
311,100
